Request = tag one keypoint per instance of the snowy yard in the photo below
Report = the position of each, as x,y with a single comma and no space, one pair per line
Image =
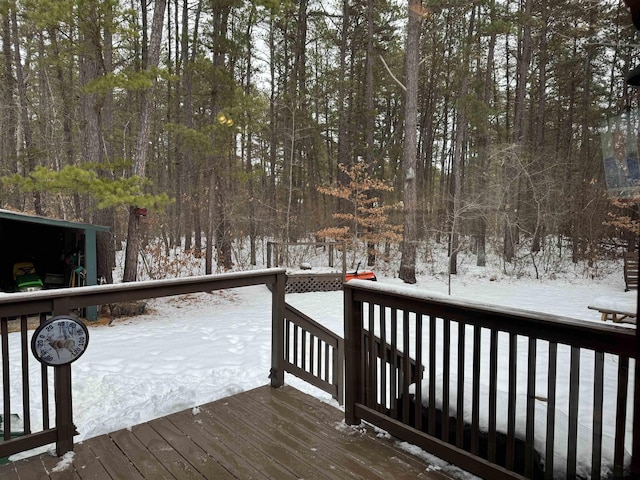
186,351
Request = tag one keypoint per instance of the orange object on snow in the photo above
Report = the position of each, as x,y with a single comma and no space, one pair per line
364,275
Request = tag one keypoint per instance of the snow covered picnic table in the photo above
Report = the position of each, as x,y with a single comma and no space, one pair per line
621,307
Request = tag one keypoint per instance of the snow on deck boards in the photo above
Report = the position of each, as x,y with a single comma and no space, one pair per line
264,433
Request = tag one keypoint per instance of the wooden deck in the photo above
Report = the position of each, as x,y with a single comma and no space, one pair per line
260,434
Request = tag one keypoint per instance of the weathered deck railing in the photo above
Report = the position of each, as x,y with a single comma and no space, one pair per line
16,308
502,388
313,353
316,354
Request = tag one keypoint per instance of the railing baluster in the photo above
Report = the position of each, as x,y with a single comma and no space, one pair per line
383,360
446,376
328,377
475,405
312,352
339,364
394,364
363,377
406,367
598,397
296,360
321,360
551,409
303,349
460,386
418,371
621,416
318,358
432,375
6,393
529,451
44,386
511,403
287,340
493,391
26,400
574,398
372,362
319,363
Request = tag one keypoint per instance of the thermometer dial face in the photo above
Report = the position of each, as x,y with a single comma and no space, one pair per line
60,340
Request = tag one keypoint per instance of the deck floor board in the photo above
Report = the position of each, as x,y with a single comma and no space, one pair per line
138,453
89,468
275,437
51,465
289,466
261,434
213,442
317,442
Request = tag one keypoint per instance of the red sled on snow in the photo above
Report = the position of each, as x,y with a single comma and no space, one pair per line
364,275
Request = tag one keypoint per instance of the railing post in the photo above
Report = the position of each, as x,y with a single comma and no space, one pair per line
64,410
62,389
353,355
635,452
277,331
331,255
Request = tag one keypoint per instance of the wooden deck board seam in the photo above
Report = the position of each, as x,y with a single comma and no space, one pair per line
255,457
238,467
307,454
379,454
325,447
190,452
285,458
262,434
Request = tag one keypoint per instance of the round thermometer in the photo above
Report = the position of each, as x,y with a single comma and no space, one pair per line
60,340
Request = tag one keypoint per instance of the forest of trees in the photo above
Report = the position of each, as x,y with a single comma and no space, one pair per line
232,119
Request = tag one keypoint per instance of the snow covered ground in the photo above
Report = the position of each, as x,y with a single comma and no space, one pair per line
186,351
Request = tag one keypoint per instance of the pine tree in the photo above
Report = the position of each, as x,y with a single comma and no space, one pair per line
87,181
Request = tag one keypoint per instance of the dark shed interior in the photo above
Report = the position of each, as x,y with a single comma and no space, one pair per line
55,251
63,253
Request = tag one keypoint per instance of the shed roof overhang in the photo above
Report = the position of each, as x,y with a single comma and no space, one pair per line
54,222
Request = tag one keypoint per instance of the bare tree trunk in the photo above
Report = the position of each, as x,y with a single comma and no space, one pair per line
273,127
543,57
210,220
484,140
409,160
188,191
140,160
343,140
9,146
370,121
105,246
23,110
67,105
461,131
511,228
253,229
95,60
218,230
